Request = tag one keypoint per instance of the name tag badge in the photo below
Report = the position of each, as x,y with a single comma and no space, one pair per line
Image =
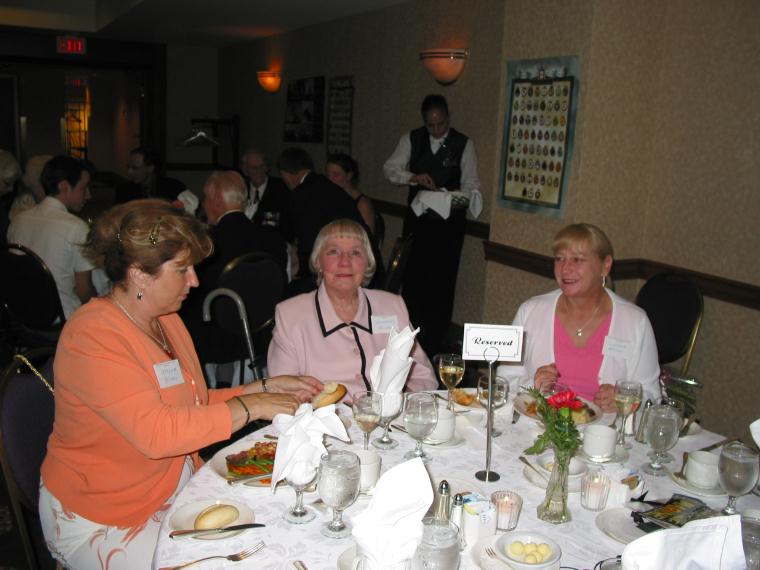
616,347
382,324
168,373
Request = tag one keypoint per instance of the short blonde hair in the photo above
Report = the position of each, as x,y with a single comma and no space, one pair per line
343,228
230,185
573,234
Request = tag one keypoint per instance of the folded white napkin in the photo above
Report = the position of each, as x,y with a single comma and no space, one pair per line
189,201
754,428
390,368
300,445
707,544
440,202
390,528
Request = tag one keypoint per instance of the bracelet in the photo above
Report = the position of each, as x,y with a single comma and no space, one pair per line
264,385
247,412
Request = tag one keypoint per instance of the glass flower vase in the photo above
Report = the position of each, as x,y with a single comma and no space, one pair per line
554,509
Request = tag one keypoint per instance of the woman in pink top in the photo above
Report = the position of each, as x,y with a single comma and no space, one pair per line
131,404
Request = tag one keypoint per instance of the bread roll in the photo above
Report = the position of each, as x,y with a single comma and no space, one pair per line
331,393
216,516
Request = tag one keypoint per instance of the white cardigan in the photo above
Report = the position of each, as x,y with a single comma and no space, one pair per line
630,349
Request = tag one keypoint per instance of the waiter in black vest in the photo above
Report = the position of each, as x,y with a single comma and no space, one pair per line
434,161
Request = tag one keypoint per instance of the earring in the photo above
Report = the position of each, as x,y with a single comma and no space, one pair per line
139,295
604,280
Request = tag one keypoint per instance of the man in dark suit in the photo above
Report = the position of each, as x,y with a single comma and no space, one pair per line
146,179
268,202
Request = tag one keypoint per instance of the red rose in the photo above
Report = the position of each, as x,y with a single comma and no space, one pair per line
566,399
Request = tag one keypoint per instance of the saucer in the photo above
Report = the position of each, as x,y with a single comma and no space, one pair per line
573,486
618,525
620,455
456,441
346,558
684,484
184,517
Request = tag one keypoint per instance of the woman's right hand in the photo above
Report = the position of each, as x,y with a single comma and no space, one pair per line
544,375
266,406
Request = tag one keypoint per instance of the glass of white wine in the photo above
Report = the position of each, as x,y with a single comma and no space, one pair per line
500,393
737,471
368,407
628,395
420,418
451,371
662,428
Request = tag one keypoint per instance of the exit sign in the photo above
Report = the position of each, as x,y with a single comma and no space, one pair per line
71,45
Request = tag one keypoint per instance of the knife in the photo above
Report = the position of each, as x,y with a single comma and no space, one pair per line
186,533
248,479
716,445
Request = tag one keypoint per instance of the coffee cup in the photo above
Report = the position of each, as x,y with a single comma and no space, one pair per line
599,441
444,429
702,469
370,464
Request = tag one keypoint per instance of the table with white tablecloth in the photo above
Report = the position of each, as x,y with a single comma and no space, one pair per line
582,543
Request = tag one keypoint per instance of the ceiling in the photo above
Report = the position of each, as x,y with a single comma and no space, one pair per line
192,22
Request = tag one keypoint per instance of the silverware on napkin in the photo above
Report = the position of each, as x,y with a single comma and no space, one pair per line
203,532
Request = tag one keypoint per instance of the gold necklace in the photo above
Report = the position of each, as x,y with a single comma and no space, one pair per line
162,342
579,331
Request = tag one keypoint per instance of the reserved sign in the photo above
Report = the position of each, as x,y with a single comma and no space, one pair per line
492,342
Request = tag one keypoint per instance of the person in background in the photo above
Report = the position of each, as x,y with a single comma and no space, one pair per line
268,199
131,404
53,231
583,335
431,158
9,173
32,192
146,179
344,171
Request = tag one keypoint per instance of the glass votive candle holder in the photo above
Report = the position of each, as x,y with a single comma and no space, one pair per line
595,488
508,505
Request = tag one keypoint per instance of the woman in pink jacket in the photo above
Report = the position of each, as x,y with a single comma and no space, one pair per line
335,332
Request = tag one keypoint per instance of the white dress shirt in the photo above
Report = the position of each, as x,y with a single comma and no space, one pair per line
255,194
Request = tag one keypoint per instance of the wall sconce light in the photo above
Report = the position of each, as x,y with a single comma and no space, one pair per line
269,80
445,65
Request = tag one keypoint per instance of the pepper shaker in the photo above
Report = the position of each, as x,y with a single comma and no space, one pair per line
457,512
443,504
641,431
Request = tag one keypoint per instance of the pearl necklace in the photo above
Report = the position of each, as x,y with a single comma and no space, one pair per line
162,342
579,331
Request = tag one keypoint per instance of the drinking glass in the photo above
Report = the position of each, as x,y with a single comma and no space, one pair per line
737,470
368,407
451,371
420,418
679,407
662,434
751,541
439,547
299,514
628,395
393,405
338,486
500,393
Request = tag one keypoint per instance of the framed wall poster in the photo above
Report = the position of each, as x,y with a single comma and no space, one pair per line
538,135
340,105
305,110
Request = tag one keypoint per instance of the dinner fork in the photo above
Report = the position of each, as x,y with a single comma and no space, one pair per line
237,557
491,554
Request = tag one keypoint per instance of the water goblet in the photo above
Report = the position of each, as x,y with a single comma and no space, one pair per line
393,405
679,407
737,471
300,514
338,486
662,434
368,407
628,395
439,547
500,393
451,371
420,418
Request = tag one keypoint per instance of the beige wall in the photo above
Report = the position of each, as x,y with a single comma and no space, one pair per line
666,145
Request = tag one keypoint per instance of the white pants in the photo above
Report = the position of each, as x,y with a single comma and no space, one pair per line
81,544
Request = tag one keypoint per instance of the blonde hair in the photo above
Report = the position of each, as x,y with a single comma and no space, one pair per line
573,234
9,168
343,228
230,185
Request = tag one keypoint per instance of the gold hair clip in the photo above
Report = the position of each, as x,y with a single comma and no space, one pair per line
153,236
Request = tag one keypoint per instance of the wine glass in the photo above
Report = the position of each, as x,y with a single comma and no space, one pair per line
393,405
500,392
420,418
737,470
368,407
628,395
338,486
451,370
662,434
300,514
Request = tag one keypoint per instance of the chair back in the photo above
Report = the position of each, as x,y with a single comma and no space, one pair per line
674,305
379,230
397,264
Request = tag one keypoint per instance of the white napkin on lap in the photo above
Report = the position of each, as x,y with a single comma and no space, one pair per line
189,201
390,368
706,544
390,528
300,445
754,428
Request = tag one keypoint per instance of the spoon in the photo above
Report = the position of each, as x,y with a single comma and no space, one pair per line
681,473
529,464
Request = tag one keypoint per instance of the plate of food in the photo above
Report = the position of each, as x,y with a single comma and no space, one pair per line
466,397
589,414
211,513
244,459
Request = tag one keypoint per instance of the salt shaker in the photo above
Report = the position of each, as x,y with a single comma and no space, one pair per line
457,511
443,504
641,431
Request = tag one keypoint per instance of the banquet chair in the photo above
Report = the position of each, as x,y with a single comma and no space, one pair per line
258,283
32,311
397,264
26,421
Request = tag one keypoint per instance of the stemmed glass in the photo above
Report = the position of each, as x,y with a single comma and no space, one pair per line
500,392
393,405
338,486
737,471
662,434
368,407
628,395
451,371
679,407
420,418
299,514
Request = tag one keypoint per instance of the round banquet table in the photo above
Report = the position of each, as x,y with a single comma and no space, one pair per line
582,543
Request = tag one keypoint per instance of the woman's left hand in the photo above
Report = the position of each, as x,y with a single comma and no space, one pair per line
302,387
605,398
